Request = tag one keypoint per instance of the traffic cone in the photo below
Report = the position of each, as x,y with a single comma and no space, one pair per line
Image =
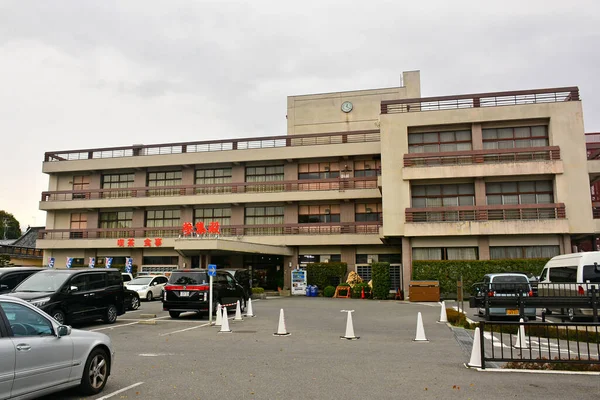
522,342
225,324
349,327
443,316
362,293
249,312
238,312
219,317
281,330
475,361
420,337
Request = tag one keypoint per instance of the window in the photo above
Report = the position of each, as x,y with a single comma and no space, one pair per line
160,260
512,252
520,137
367,168
25,321
96,281
364,271
265,174
80,282
208,215
269,215
563,274
115,220
117,181
591,273
529,192
365,212
445,253
211,177
159,179
443,195
161,219
80,182
78,221
436,142
324,170
319,213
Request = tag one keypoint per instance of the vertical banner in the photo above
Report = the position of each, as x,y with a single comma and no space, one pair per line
69,262
92,262
128,265
108,262
50,262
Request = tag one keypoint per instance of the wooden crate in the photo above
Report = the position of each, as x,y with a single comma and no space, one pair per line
424,291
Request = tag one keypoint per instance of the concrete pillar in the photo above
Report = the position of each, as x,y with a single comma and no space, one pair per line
137,255
565,244
186,215
484,247
477,137
412,83
237,215
92,220
349,257
238,175
95,181
480,198
290,171
188,176
138,219
290,214
406,265
347,211
184,262
289,263
87,253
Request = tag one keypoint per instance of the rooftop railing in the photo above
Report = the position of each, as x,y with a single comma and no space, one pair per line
592,145
482,156
492,99
486,213
266,142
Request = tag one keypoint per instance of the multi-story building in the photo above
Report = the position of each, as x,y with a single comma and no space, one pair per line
361,176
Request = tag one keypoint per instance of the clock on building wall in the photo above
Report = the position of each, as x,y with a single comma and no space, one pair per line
347,106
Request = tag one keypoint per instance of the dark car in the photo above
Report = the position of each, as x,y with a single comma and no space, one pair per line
10,277
188,290
74,295
132,300
244,278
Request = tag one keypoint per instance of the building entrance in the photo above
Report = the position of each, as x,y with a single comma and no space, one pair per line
267,270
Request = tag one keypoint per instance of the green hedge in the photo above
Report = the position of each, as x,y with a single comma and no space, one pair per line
380,273
323,274
357,290
448,272
258,290
329,291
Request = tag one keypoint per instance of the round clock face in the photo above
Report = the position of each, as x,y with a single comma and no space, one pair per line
346,106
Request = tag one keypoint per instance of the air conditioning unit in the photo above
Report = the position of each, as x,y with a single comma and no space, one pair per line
369,261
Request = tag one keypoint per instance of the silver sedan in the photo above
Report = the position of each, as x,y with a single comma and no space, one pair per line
39,356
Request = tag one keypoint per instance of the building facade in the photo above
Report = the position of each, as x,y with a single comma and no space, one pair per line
361,176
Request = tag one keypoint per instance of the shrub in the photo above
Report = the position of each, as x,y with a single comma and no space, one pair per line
329,291
357,290
457,318
448,272
323,274
258,290
380,273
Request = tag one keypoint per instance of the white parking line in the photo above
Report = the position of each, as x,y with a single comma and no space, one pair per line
120,391
129,324
186,329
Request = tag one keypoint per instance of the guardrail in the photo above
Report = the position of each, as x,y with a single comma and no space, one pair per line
486,213
481,156
542,343
264,142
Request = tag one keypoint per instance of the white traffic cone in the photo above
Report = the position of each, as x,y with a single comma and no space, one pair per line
219,318
349,327
281,330
420,337
443,316
521,342
249,312
225,324
475,361
238,312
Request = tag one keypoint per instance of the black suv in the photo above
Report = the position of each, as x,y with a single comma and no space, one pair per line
73,295
10,277
244,278
188,290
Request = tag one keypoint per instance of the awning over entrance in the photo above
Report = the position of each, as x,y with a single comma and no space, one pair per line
192,246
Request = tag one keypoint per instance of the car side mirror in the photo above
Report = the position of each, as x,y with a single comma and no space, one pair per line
63,330
154,283
73,289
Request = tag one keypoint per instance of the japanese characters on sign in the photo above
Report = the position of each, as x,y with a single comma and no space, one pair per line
130,242
200,230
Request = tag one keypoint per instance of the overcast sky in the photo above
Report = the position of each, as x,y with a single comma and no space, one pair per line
79,74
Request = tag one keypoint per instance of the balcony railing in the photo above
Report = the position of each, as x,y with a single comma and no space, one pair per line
265,142
595,208
592,144
486,213
19,251
217,188
226,231
492,99
482,156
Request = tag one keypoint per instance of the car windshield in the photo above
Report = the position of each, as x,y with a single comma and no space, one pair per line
188,278
510,279
45,281
140,281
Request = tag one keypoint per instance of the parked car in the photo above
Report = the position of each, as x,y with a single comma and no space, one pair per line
505,284
73,295
132,300
148,287
39,356
244,278
188,290
126,277
10,277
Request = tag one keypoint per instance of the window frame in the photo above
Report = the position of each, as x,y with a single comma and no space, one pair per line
439,142
514,137
444,193
519,193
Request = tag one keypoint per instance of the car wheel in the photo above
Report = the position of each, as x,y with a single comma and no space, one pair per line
59,316
95,373
135,302
111,314
149,296
174,314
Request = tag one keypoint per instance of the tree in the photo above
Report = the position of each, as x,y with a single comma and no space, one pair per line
5,261
9,226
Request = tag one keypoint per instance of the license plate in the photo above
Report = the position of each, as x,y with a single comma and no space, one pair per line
184,294
512,312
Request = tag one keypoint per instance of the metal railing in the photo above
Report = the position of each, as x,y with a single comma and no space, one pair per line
481,156
486,213
213,189
333,228
541,342
20,251
492,99
265,142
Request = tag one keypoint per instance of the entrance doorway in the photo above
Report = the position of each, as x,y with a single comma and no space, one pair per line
267,270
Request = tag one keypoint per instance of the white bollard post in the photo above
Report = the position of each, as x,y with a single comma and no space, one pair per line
420,337
475,361
349,327
225,324
281,329
443,315
238,312
249,312
219,316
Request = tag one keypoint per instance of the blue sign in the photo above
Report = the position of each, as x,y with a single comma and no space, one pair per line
69,262
51,262
212,270
108,262
92,262
129,265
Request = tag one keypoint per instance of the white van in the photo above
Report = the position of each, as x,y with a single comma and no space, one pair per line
572,274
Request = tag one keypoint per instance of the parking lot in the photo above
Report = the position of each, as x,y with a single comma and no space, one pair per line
187,359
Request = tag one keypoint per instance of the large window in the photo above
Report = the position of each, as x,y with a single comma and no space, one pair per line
445,253
161,179
117,181
211,177
520,137
162,219
364,212
115,220
80,182
267,215
78,221
367,168
324,170
207,215
529,192
512,252
160,260
319,213
435,142
443,195
363,267
272,173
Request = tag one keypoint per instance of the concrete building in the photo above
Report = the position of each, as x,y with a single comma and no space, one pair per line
361,176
